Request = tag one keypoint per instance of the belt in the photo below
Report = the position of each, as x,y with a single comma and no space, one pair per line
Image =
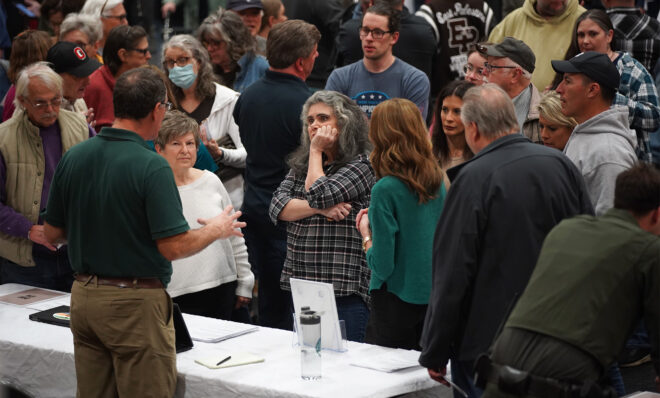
136,283
521,383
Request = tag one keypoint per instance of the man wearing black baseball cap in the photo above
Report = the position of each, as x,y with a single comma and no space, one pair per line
510,65
74,66
601,145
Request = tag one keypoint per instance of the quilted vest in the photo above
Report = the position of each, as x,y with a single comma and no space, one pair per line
21,148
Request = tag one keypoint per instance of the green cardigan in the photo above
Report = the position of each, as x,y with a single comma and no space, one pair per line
402,232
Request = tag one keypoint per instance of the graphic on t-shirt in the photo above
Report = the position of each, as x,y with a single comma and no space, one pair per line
456,63
367,100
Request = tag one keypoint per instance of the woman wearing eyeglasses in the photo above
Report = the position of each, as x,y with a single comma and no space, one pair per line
231,48
474,68
126,48
189,69
111,12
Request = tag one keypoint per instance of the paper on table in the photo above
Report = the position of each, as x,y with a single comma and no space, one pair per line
213,331
237,359
48,304
30,296
390,361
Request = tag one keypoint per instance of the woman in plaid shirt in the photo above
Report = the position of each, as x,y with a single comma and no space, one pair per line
329,182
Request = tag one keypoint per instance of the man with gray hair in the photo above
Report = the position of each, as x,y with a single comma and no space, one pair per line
510,65
268,117
501,205
111,12
31,145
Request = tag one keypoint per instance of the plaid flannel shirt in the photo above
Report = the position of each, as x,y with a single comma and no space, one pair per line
322,250
637,91
637,34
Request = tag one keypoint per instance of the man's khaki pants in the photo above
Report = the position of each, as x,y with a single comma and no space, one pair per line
123,341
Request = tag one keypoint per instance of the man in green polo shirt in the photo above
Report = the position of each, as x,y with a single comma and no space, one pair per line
594,279
115,202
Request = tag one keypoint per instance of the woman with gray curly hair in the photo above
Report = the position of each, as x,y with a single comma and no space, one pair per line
85,31
232,49
189,69
329,182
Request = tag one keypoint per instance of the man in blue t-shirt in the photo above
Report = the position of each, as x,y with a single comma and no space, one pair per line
380,75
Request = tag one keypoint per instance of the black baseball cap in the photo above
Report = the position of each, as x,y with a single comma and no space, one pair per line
597,66
238,5
514,49
70,58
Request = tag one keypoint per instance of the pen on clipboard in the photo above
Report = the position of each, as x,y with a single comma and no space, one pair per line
455,387
229,357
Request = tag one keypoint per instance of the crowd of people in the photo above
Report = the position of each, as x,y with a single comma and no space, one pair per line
476,179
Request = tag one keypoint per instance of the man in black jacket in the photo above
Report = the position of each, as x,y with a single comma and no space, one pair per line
268,117
326,16
501,205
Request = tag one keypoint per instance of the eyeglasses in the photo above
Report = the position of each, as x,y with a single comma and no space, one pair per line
167,105
375,33
143,51
212,43
469,68
43,105
181,61
489,68
121,17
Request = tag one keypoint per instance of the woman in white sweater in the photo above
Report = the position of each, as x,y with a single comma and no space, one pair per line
218,279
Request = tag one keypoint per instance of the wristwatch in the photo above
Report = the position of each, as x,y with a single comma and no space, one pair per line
364,243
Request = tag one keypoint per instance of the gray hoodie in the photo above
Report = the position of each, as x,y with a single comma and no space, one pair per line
601,148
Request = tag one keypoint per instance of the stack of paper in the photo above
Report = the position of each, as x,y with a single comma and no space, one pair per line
209,330
390,361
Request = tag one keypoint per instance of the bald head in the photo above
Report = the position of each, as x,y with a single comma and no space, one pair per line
491,109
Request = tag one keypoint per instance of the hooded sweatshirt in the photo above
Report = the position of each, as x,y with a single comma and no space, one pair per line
548,38
601,148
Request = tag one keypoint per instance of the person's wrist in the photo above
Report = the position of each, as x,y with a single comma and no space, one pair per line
365,241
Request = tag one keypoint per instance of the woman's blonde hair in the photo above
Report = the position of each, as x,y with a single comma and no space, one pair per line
550,108
402,147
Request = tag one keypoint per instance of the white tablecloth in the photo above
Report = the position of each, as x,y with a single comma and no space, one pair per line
39,359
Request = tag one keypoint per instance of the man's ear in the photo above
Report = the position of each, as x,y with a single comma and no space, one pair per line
299,65
593,90
155,110
395,37
655,216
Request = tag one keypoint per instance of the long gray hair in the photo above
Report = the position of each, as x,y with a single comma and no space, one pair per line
205,76
351,124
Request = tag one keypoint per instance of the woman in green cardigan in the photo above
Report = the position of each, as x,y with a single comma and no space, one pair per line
397,228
